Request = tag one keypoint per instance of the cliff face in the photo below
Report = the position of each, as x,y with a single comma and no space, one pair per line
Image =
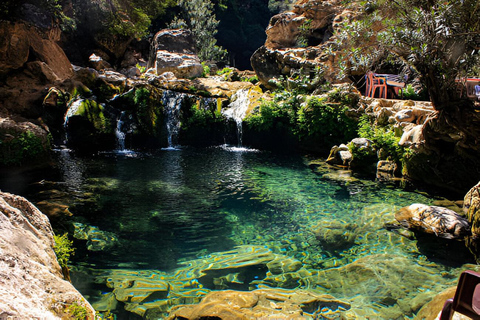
301,41
31,281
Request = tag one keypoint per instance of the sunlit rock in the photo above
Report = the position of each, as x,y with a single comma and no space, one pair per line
31,281
442,222
173,50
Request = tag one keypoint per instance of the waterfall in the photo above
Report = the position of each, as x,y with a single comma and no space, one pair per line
119,134
237,110
173,102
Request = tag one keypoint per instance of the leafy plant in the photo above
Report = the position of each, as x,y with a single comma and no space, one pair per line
78,312
141,68
384,140
325,122
225,70
22,148
305,28
206,70
63,249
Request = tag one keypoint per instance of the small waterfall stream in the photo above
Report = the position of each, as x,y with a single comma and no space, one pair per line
237,110
173,102
119,134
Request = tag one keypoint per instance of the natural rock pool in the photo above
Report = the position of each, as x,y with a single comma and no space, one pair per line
156,230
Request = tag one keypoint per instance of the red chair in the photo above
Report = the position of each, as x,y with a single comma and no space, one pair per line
373,83
467,297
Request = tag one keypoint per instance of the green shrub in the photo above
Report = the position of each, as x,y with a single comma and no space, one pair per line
206,70
325,122
384,139
225,70
277,114
24,147
63,249
78,312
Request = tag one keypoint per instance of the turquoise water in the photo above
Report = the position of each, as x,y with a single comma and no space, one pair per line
195,220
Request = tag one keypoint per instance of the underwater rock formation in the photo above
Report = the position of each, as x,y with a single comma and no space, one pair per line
31,281
262,304
151,293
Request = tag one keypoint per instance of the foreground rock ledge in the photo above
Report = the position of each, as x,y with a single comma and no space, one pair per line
31,281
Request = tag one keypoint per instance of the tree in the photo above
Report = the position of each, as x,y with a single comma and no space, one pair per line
438,39
199,18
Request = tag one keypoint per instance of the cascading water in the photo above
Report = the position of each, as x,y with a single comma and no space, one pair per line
173,102
237,110
72,110
119,134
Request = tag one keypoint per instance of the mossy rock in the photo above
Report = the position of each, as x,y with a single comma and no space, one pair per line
89,125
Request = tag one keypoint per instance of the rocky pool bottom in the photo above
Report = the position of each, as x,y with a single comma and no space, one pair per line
152,231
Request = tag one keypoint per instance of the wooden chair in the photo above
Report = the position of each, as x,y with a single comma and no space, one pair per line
467,297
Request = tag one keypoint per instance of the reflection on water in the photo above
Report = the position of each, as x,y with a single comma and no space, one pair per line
176,217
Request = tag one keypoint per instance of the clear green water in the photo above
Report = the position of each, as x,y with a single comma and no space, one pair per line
170,214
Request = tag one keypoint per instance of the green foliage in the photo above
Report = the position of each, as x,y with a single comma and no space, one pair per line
225,70
253,80
278,114
199,18
384,139
22,148
325,122
206,70
93,111
305,29
201,116
63,249
409,93
78,312
133,24
148,115
141,68
437,39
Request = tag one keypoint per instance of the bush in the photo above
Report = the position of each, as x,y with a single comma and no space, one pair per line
325,122
63,249
384,140
206,70
24,147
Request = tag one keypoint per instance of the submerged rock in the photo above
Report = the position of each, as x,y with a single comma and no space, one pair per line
31,282
442,222
263,304
151,293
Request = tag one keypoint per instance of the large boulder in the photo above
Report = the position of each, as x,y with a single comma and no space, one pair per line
173,50
30,61
471,208
31,280
439,221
